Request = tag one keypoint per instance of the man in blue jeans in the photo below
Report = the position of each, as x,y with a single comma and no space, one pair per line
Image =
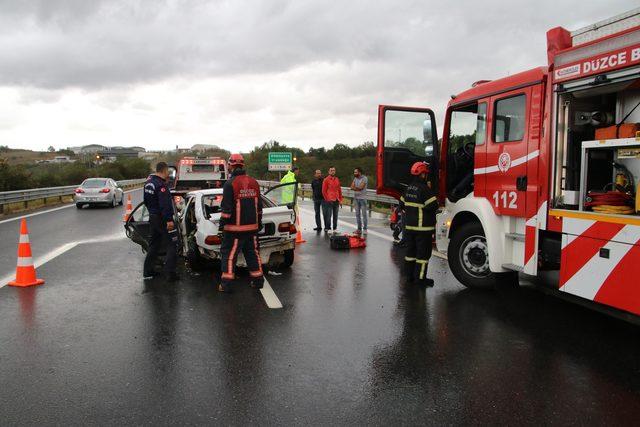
359,187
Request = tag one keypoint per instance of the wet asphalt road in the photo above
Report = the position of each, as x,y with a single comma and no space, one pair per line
353,344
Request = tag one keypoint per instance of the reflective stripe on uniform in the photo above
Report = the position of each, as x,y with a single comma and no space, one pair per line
408,258
247,227
420,205
423,267
414,205
232,254
416,228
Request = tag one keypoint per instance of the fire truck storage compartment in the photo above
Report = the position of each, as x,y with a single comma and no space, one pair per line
591,173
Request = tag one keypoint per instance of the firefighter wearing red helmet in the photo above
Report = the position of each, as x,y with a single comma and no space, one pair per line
240,221
420,205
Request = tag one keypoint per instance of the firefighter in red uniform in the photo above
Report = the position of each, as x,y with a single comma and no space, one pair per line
420,205
240,222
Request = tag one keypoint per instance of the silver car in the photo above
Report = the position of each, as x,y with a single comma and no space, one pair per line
98,191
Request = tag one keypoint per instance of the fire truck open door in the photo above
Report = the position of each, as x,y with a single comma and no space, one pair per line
405,136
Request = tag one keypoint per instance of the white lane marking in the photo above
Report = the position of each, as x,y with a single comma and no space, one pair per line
59,251
269,296
374,233
35,213
50,210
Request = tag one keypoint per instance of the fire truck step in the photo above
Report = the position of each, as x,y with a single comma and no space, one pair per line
513,267
515,236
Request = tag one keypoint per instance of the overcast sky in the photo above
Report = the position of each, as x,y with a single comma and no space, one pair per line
237,73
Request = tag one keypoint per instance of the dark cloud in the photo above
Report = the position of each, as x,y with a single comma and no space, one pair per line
89,44
236,73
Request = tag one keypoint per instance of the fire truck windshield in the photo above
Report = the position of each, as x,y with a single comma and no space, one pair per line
204,168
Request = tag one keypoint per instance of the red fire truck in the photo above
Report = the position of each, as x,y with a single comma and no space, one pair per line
538,172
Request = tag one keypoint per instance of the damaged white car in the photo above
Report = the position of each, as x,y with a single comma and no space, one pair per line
199,218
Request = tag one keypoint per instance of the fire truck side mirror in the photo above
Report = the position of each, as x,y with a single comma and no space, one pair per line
427,132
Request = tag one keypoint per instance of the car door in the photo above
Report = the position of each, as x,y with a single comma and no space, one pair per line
284,194
405,136
137,227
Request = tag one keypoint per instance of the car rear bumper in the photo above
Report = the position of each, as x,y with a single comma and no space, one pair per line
270,252
93,198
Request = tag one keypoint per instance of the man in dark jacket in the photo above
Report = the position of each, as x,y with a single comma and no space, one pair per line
157,199
316,187
420,205
240,221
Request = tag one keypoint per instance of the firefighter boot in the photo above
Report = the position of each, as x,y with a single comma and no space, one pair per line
427,282
257,283
224,288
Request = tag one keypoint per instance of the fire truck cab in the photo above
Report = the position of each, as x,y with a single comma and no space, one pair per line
537,172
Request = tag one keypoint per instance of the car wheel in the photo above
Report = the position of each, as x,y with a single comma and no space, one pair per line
113,202
121,199
79,205
468,257
289,255
196,262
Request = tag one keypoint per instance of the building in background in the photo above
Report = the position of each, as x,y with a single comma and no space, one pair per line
148,155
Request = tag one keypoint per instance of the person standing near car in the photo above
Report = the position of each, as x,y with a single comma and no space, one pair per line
288,192
359,187
332,194
158,201
420,205
316,187
240,222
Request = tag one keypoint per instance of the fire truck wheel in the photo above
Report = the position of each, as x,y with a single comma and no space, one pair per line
469,257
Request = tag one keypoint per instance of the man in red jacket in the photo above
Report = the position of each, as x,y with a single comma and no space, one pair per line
240,221
332,194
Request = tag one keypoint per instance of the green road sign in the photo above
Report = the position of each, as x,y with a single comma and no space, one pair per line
280,161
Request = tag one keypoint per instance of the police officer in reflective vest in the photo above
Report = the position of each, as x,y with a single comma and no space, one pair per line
420,205
240,221
157,199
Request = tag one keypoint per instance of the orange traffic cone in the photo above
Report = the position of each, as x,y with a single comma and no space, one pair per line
25,271
299,238
129,209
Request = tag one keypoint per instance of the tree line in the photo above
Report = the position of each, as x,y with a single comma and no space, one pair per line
341,156
25,176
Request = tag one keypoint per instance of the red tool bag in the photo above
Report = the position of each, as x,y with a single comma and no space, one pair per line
347,241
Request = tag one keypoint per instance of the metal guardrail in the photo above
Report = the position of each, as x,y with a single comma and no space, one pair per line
18,196
371,195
